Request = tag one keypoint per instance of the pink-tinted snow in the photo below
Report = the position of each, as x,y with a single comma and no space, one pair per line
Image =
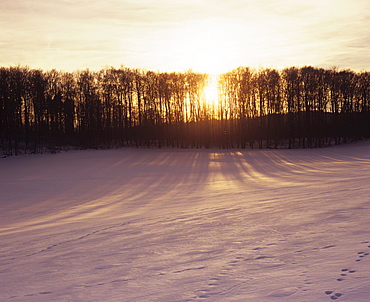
186,225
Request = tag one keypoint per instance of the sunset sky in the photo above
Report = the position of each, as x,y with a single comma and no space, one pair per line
212,36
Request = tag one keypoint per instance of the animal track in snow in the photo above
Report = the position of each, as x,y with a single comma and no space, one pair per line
48,248
335,296
346,272
362,255
215,281
216,285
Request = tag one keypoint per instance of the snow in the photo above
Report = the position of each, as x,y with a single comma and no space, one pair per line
186,225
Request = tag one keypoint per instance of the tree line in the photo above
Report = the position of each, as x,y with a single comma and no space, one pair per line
257,108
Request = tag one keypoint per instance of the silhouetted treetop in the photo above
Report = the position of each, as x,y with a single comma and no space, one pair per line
265,108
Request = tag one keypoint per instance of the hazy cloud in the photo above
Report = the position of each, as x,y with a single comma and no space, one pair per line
165,34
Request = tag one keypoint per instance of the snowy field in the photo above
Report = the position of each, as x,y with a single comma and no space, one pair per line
186,225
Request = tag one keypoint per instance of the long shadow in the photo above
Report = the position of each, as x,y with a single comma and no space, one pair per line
48,190
67,188
261,168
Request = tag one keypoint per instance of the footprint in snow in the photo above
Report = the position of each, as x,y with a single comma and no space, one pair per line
362,255
345,272
334,296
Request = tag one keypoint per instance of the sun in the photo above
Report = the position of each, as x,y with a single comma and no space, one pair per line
210,91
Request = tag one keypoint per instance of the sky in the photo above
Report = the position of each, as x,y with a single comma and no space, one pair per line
212,36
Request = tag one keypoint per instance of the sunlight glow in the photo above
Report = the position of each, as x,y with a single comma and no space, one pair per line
210,46
211,91
206,36
218,45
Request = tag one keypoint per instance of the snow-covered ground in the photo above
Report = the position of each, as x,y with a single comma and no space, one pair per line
186,225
